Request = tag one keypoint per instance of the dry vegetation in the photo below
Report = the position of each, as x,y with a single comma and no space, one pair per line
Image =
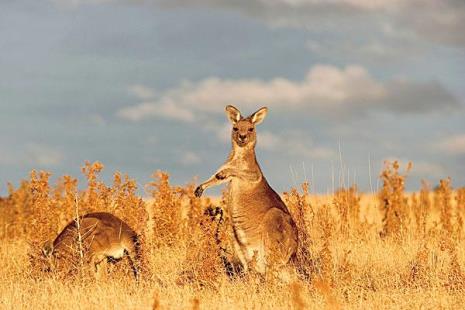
390,250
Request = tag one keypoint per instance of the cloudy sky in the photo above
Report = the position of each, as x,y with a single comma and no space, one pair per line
142,85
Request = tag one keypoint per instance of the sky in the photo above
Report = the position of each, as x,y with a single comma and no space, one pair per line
142,85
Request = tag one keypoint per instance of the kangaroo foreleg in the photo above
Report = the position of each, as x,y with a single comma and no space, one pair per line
218,178
225,174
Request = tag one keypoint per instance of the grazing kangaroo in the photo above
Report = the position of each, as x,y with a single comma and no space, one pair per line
96,238
264,232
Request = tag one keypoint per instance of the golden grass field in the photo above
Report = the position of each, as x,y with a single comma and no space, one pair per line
388,250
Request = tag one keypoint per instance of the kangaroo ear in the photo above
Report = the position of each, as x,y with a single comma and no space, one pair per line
233,114
259,116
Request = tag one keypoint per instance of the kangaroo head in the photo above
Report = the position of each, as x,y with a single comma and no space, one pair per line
243,131
47,249
47,255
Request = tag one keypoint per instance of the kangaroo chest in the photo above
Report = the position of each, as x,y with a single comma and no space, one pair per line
248,201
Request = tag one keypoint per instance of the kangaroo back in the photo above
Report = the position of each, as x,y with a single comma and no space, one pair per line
93,238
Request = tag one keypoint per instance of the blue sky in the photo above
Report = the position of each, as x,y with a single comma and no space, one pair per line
142,86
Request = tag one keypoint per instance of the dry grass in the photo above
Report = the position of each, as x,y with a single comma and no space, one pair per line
357,251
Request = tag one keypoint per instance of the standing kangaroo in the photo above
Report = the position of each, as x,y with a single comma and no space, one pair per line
97,237
264,232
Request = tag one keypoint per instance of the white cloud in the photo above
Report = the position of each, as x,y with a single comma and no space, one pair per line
6,158
43,155
439,21
32,154
361,4
147,110
76,3
152,140
423,168
454,145
140,91
325,89
370,50
190,158
299,144
420,168
223,132
294,143
269,141
97,119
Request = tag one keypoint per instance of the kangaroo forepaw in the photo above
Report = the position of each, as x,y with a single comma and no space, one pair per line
198,191
220,175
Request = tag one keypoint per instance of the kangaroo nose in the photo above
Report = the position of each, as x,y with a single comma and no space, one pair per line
242,137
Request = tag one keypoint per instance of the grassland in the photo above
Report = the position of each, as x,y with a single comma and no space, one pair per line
389,250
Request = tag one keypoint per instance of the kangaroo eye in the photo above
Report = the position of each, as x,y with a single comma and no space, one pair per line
250,129
235,129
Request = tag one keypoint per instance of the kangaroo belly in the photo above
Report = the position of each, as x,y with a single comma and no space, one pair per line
261,223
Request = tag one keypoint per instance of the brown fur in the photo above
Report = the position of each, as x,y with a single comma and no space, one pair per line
103,236
264,231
